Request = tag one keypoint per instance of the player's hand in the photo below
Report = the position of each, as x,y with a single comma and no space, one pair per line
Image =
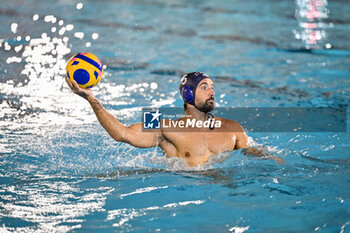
278,160
255,151
85,93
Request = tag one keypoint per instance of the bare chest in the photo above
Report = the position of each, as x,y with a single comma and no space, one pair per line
197,147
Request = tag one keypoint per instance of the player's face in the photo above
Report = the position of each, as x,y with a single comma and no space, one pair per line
205,95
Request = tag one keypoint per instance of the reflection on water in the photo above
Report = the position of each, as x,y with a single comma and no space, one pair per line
310,14
123,216
36,94
38,87
52,205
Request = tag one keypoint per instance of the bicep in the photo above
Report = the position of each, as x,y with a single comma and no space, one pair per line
242,141
241,137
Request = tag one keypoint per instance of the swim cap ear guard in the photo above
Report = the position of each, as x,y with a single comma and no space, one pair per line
188,86
187,94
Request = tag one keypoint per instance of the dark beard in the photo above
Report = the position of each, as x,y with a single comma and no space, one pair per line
206,107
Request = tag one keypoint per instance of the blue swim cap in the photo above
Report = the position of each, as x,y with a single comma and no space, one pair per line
188,86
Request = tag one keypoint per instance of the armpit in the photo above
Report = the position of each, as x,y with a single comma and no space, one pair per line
168,148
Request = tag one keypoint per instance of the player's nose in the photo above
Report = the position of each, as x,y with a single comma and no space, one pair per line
211,92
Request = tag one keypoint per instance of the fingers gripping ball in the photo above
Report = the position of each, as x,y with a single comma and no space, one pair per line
85,69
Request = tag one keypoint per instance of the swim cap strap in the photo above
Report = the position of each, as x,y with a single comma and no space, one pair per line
212,118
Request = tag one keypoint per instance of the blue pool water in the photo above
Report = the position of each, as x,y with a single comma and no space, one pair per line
61,172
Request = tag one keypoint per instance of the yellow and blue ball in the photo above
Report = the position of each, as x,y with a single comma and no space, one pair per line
86,69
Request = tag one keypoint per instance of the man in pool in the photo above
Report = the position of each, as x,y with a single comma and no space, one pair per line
197,91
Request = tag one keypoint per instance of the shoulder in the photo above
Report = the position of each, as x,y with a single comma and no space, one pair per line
238,131
230,125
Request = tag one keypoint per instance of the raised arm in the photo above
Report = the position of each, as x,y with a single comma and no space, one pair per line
132,135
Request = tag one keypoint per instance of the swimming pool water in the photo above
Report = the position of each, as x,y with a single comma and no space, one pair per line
61,172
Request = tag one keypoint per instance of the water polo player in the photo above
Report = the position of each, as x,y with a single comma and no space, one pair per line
195,146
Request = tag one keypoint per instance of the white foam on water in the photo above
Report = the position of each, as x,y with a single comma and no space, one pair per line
239,229
123,216
142,190
49,208
14,27
79,6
